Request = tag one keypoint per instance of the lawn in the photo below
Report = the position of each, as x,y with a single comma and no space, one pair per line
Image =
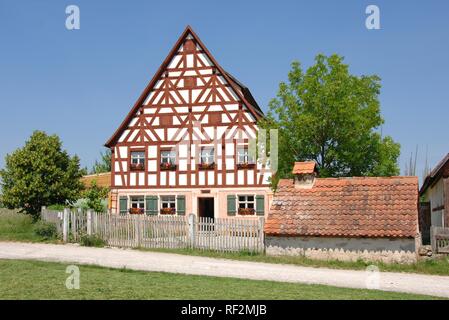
16,226
46,280
438,266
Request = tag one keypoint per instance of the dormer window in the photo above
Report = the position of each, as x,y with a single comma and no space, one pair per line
137,160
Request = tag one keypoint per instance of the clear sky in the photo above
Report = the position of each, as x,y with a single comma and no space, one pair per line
80,84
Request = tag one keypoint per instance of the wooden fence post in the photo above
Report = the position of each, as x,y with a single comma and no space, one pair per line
261,234
43,209
89,222
65,224
192,230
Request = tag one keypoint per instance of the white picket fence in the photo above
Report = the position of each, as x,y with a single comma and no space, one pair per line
134,231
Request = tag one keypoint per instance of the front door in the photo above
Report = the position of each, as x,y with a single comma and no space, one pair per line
206,207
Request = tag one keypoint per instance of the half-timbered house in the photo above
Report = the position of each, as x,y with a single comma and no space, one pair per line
185,146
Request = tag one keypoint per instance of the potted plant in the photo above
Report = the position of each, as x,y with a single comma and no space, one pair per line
136,210
246,211
168,211
245,165
206,166
168,166
137,166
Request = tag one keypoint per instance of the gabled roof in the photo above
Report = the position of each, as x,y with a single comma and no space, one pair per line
305,167
346,207
437,172
241,91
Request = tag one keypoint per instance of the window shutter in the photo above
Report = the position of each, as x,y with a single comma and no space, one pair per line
181,205
231,205
123,205
151,205
260,205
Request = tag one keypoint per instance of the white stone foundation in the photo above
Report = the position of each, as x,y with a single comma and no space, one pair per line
344,249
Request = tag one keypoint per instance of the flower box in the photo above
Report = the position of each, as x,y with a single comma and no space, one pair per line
136,211
206,166
168,166
246,211
245,165
137,166
168,211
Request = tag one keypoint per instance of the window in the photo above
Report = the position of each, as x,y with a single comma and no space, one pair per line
138,157
246,205
207,155
137,204
243,155
168,204
246,202
137,160
168,156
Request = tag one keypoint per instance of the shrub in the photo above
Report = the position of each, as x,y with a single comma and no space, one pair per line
45,230
92,241
56,207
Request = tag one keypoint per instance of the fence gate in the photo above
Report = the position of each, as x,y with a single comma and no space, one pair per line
440,240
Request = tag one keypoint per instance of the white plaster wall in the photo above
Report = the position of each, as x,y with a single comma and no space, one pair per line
344,249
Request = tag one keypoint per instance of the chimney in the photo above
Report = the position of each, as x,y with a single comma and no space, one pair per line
305,174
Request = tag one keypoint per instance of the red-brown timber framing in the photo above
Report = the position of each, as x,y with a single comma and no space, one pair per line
164,92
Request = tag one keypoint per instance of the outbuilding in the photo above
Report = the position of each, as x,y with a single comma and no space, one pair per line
369,218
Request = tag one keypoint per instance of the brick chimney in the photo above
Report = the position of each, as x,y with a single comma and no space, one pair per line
305,174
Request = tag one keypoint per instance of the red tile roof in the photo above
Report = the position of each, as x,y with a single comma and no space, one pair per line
304,167
346,207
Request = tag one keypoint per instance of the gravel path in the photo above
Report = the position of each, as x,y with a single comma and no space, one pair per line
175,263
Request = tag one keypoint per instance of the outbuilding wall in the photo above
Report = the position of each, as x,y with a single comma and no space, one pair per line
387,250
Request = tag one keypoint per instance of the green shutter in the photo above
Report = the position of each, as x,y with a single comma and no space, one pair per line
231,205
181,205
260,205
151,205
123,205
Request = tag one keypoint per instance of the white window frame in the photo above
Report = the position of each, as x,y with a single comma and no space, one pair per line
137,200
243,155
169,200
208,154
246,201
138,157
168,156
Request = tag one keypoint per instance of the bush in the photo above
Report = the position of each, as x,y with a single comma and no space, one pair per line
56,207
45,230
92,241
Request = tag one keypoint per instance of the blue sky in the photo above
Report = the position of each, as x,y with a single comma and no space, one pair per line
80,84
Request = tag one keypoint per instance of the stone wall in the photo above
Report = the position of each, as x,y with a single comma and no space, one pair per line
345,249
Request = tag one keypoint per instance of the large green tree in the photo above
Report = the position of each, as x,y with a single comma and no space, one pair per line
330,116
40,174
104,165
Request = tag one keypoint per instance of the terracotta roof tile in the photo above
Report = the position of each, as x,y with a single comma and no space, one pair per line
346,207
304,167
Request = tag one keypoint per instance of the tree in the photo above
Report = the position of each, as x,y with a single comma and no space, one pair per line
104,165
95,196
40,174
330,116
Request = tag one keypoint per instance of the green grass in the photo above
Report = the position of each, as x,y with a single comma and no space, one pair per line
46,280
15,226
437,266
